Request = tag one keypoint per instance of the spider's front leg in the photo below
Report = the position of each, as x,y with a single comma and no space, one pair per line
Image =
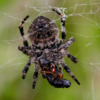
63,23
22,31
25,70
35,75
67,44
69,71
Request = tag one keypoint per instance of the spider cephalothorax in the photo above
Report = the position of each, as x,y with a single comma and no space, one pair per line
43,34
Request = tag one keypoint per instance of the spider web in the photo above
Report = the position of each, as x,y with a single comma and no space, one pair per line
82,23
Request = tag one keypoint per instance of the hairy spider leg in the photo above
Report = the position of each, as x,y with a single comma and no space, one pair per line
25,70
35,75
25,50
67,44
22,31
63,23
75,60
69,71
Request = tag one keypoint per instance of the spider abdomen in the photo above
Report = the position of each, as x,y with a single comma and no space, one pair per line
43,30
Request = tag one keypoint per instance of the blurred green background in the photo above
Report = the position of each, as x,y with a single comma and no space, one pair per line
83,23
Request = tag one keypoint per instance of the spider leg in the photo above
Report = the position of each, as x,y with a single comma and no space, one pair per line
35,75
75,60
69,71
62,21
25,70
22,31
25,50
67,44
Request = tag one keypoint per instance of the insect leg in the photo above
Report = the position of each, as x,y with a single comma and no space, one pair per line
70,73
22,31
25,70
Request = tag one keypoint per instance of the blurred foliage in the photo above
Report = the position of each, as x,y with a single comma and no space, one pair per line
85,29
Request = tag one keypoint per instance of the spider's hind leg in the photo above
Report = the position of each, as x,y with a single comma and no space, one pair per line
69,71
62,23
25,70
22,31
74,59
35,75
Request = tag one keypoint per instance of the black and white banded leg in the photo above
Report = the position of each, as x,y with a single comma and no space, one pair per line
22,31
25,70
74,59
70,73
35,75
62,23
25,50
67,44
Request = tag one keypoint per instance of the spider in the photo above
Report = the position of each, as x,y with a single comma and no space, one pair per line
43,34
